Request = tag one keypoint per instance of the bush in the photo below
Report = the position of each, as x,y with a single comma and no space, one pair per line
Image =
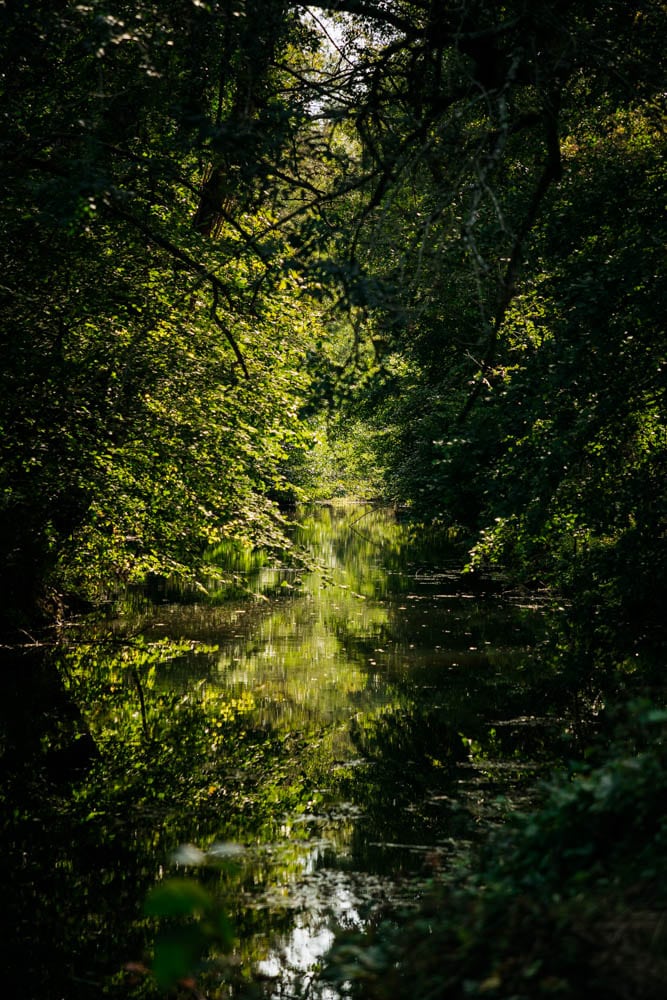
567,901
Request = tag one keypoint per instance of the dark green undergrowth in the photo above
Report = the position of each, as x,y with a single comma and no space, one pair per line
568,901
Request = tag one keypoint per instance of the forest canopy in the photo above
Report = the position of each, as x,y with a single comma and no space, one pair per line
236,235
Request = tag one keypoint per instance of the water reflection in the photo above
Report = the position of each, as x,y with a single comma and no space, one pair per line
395,671
352,734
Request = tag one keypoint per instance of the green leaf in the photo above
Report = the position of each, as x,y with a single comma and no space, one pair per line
177,897
177,952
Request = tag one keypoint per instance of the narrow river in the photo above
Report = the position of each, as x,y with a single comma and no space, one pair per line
310,756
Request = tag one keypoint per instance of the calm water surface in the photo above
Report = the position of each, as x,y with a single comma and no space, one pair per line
324,751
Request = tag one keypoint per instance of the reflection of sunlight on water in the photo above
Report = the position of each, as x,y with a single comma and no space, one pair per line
303,950
320,898
331,899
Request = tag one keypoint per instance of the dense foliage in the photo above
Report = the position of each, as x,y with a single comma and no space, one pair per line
152,375
555,908
516,255
258,250
473,193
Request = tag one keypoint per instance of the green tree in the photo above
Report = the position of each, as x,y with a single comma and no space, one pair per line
151,377
507,252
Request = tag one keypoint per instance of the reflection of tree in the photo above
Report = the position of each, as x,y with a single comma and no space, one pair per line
78,857
412,736
435,763
44,735
410,756
231,742
368,550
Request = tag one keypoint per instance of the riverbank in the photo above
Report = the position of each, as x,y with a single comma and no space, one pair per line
568,901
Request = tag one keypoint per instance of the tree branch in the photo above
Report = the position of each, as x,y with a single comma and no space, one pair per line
221,326
192,265
551,173
367,9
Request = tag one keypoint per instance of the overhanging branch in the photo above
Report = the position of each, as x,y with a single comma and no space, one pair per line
217,286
